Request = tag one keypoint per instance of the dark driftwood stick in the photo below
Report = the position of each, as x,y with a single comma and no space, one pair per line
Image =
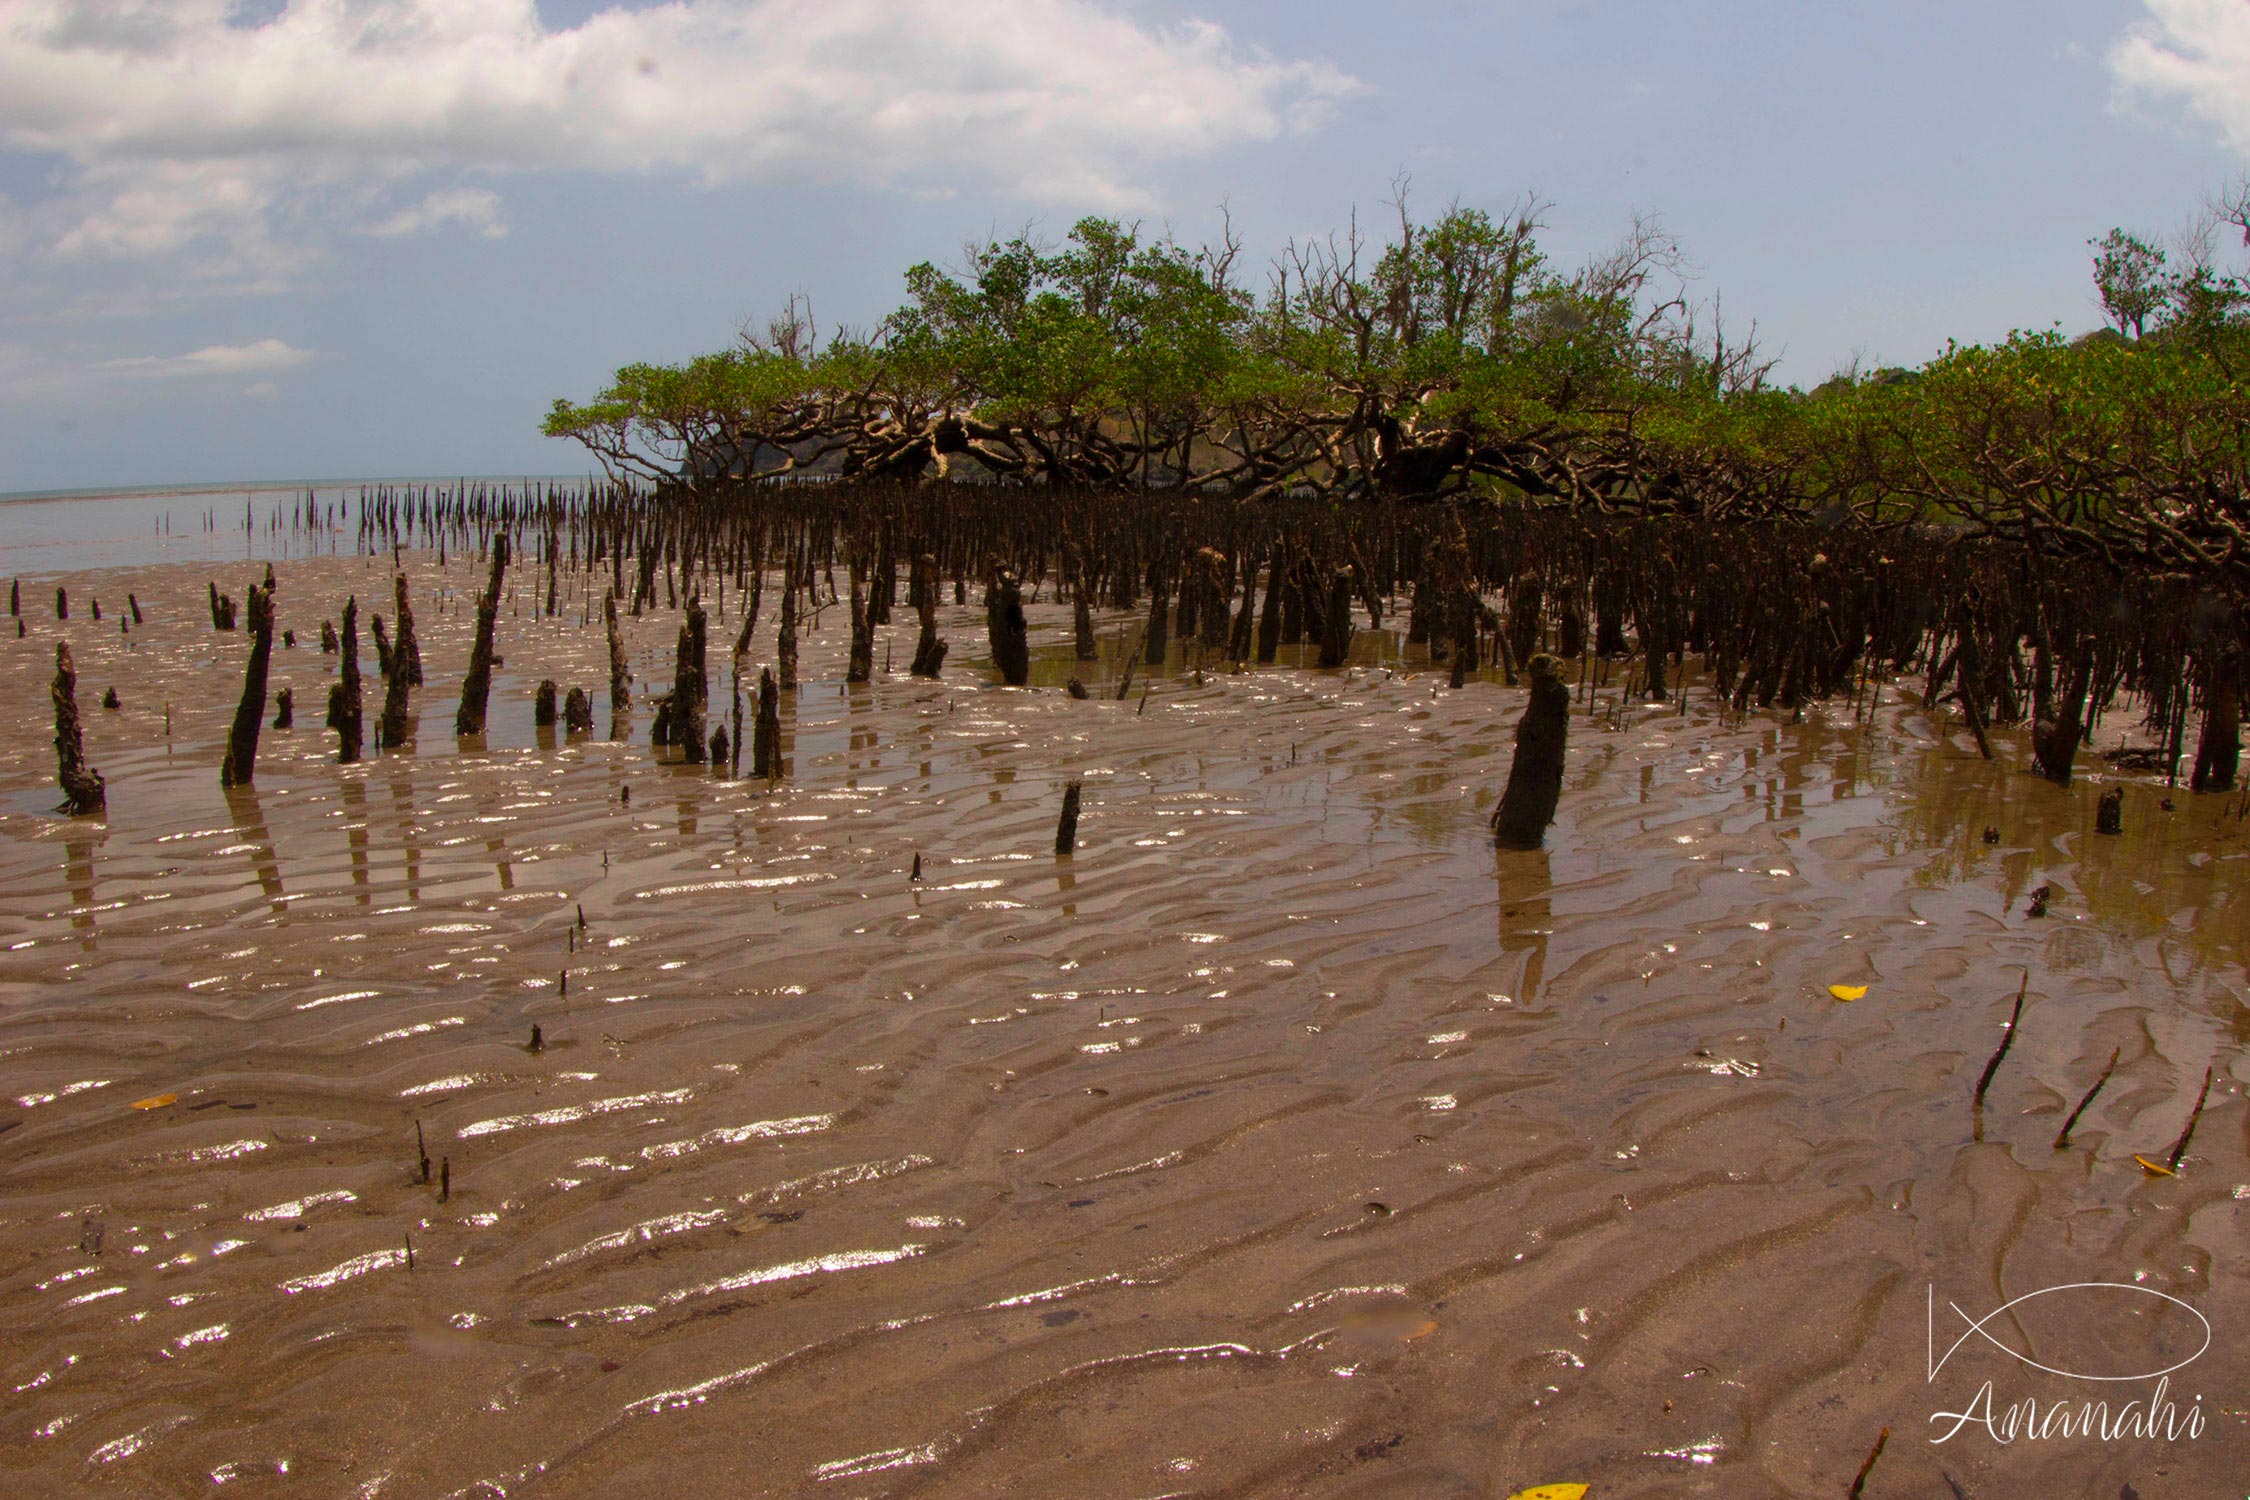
476,688
343,697
84,790
2006,1042
1534,788
2179,1147
241,759
2062,1138
1066,831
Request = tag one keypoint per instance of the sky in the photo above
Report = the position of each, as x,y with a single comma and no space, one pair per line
315,239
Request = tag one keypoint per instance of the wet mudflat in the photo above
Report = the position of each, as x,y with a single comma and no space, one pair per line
1287,1139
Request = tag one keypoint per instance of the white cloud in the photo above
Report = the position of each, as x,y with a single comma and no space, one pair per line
262,357
2197,51
473,209
189,129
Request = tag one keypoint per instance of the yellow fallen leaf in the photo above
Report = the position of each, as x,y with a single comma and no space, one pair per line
1551,1492
1422,1330
156,1101
1847,991
2155,1168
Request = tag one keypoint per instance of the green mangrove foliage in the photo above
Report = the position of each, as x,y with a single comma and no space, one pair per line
1459,361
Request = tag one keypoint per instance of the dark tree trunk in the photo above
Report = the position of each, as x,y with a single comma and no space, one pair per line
1336,624
922,587
2218,753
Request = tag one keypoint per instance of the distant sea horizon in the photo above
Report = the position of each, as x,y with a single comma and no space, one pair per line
51,532
285,486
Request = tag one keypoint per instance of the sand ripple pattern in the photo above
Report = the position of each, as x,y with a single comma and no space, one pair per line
1284,1141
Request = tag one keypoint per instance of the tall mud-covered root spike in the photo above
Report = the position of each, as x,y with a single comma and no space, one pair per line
1066,827
1003,615
406,648
862,665
1535,777
405,674
84,790
344,709
922,584
690,685
1158,641
476,688
578,712
765,756
1082,609
249,715
620,675
785,637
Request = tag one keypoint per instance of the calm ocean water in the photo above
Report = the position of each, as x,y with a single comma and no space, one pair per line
69,531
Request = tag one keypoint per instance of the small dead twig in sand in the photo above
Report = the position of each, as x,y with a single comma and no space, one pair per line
2006,1042
2179,1147
1859,1485
2062,1139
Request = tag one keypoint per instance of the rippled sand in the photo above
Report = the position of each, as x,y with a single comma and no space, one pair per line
1286,1140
